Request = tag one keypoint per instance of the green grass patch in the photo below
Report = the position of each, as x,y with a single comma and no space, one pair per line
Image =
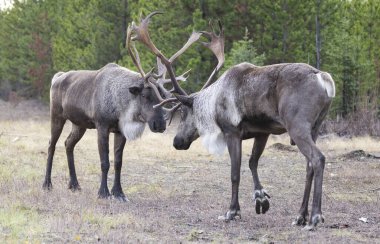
19,222
352,197
107,222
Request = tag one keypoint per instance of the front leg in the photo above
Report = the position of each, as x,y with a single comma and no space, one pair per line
103,146
119,143
234,149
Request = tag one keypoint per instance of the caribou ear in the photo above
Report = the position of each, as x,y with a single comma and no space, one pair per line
185,100
136,90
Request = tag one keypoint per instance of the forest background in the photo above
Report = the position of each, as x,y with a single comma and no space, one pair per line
40,37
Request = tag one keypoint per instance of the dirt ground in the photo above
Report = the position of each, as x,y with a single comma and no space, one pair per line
177,196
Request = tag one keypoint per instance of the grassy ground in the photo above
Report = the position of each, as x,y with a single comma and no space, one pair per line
176,196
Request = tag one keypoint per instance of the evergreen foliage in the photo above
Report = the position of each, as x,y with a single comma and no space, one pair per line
41,37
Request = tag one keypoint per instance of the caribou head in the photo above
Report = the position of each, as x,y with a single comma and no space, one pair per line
187,130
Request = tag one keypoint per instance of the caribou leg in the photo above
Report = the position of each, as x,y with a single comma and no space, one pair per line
316,163
56,130
103,146
260,196
303,212
75,135
301,219
119,143
234,149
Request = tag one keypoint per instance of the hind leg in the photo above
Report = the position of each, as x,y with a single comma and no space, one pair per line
75,135
316,163
119,143
57,124
260,195
301,219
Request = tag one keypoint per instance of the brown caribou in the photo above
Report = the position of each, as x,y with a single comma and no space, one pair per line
250,101
111,99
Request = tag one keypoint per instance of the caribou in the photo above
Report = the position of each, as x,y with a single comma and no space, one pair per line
250,101
111,99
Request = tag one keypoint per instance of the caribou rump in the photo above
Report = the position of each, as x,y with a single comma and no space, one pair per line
250,101
112,99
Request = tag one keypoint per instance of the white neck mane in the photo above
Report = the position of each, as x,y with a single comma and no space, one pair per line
131,129
205,109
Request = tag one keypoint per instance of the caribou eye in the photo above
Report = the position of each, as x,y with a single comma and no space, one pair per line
135,90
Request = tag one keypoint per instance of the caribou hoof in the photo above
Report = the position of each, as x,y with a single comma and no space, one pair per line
121,198
300,220
261,201
47,186
74,186
230,215
104,193
314,221
119,195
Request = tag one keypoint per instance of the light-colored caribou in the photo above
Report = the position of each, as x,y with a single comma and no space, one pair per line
250,101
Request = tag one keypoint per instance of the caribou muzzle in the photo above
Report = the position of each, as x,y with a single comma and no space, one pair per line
157,125
180,143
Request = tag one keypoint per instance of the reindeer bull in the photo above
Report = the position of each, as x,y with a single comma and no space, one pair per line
249,101
112,99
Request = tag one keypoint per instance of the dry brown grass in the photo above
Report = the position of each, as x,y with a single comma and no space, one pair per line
176,196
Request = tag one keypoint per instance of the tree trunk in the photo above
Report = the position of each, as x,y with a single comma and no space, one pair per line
124,22
318,36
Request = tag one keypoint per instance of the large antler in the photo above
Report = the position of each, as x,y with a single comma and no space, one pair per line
142,35
136,60
216,45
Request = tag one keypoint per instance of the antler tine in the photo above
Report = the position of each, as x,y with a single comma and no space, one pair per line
161,69
163,102
142,35
170,112
182,77
161,82
156,91
167,94
193,38
216,45
151,74
134,54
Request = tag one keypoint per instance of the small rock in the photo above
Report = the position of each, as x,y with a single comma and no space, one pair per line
282,147
362,219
